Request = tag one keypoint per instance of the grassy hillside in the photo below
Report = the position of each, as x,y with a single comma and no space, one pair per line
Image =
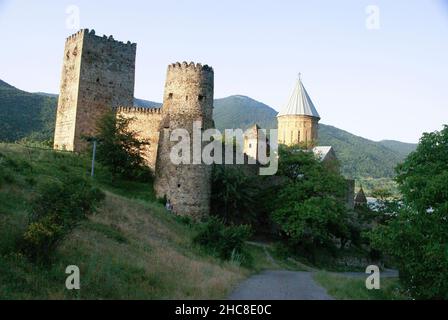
131,249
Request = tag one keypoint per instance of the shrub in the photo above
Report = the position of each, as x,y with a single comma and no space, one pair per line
59,207
6,175
224,242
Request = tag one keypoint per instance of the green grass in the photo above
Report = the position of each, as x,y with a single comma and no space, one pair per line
131,249
260,259
348,288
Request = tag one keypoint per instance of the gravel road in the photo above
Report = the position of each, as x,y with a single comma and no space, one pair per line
280,285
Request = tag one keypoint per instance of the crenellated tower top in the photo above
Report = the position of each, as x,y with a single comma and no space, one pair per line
189,93
86,33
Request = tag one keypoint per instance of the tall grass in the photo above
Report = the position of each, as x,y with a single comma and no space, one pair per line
354,288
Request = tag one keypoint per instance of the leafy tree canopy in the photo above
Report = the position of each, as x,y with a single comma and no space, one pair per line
417,237
310,208
120,150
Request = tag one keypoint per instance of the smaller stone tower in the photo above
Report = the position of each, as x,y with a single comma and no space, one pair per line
188,98
97,75
298,122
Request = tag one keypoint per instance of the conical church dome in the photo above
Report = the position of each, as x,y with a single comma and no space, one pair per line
300,103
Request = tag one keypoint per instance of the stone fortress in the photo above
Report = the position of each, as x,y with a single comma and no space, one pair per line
98,75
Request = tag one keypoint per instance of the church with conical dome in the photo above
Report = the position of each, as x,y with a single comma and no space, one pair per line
298,125
298,122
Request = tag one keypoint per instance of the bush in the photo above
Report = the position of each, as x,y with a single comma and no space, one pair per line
6,175
56,211
224,242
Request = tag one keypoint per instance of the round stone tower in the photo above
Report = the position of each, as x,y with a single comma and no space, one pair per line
298,123
188,99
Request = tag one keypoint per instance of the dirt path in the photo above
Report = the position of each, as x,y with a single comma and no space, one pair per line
287,285
280,285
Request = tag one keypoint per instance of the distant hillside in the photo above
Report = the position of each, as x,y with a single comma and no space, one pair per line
401,147
137,102
146,104
361,157
242,112
26,114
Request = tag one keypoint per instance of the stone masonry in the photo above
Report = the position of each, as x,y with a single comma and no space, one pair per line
298,129
98,74
188,98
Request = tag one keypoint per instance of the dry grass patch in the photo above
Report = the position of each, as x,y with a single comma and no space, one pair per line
143,253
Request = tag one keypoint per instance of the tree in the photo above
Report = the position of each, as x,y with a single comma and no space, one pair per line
234,195
417,237
120,150
310,208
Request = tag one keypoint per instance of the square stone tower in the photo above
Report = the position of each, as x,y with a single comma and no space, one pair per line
98,74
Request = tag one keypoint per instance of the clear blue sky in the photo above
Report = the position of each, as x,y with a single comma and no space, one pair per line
387,83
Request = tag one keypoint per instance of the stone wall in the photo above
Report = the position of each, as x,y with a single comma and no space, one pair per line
98,75
188,98
68,97
146,123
